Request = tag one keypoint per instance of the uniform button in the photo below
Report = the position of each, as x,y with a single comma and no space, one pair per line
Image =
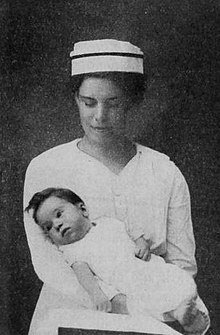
116,189
119,199
120,204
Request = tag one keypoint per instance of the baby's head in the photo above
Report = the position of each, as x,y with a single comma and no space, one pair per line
61,214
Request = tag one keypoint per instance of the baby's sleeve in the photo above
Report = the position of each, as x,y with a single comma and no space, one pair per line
73,253
77,253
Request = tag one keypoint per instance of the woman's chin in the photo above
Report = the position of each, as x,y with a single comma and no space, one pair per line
100,137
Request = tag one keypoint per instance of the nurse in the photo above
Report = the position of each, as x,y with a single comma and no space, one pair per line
115,176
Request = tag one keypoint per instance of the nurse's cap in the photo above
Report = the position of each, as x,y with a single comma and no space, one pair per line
106,56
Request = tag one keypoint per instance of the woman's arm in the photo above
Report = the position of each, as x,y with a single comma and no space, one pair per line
89,282
180,237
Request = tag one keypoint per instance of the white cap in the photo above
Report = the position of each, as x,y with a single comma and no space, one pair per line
106,56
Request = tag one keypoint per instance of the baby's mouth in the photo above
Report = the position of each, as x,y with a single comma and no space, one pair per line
64,231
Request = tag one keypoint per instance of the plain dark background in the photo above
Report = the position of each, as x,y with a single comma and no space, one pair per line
179,116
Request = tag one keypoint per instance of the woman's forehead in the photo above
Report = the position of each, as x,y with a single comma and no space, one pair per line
100,87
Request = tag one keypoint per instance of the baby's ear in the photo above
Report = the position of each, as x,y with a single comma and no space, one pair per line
83,209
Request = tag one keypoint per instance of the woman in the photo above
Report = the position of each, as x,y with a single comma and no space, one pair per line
116,177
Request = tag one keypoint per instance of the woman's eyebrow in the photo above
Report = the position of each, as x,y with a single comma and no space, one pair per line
85,97
114,98
91,98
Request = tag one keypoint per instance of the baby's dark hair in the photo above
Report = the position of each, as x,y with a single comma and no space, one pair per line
62,193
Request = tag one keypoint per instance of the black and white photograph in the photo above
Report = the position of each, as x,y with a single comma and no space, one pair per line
109,167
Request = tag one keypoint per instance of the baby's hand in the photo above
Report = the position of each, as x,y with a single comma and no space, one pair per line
102,303
142,248
119,304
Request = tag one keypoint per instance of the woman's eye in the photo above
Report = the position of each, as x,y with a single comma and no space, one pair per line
89,104
114,104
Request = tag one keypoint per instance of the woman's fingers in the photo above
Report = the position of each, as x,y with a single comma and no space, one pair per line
138,251
142,248
143,253
146,256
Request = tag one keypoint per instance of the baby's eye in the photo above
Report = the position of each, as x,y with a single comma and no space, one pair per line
59,213
47,227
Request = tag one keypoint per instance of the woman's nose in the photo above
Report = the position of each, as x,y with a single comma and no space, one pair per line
101,112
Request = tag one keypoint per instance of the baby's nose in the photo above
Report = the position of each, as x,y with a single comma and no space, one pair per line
57,224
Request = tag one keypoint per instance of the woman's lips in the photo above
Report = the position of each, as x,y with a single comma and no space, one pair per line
101,129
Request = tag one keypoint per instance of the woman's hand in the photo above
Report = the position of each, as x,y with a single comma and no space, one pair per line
101,301
142,248
119,304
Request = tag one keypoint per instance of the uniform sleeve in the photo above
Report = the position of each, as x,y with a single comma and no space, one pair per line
180,238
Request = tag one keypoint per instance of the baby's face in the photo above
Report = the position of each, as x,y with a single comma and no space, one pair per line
63,222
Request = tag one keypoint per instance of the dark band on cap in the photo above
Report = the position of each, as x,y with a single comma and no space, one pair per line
121,54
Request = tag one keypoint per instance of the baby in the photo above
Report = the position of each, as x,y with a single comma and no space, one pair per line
103,248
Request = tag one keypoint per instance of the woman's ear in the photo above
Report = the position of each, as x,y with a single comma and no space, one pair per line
76,96
83,209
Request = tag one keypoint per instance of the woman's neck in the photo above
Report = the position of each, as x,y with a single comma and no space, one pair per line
114,154
118,144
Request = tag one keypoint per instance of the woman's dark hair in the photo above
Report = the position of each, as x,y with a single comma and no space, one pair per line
62,193
132,84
